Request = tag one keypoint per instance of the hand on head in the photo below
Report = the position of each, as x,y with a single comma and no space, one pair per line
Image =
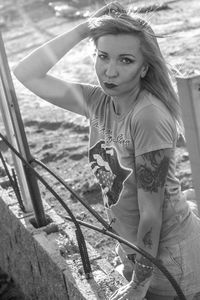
110,8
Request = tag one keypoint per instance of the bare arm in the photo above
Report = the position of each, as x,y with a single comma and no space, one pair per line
151,172
32,71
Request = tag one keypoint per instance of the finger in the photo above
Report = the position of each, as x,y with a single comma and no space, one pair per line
118,295
119,291
113,296
115,7
118,6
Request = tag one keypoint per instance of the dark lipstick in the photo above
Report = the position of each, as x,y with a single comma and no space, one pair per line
110,85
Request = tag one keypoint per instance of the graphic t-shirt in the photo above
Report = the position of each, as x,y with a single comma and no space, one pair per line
115,141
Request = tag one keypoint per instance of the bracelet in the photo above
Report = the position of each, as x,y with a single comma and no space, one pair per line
143,266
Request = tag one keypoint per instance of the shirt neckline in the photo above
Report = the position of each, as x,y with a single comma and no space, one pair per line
129,109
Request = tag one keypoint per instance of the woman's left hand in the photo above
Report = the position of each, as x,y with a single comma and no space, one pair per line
128,292
110,7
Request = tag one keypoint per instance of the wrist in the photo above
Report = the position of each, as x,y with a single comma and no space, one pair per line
142,276
143,272
144,264
140,290
83,30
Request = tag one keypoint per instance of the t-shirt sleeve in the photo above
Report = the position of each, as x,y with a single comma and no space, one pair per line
91,94
152,129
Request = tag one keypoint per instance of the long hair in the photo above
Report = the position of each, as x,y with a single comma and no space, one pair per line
158,80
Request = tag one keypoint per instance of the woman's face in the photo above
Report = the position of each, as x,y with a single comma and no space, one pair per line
119,64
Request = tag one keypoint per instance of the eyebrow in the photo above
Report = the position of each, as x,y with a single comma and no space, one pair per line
102,51
128,54
121,55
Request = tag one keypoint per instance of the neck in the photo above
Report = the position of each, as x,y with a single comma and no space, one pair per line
123,103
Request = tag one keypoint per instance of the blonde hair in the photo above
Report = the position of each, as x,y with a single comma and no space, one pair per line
158,79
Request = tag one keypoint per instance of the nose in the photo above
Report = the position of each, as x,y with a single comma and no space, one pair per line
111,70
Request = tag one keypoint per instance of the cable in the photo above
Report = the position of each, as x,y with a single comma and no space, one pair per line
91,210
104,231
81,240
95,214
139,250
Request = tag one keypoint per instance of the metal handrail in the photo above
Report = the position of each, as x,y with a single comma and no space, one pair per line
105,231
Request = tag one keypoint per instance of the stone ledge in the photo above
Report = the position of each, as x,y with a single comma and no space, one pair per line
32,257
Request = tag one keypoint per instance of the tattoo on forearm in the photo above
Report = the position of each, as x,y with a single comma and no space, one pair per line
143,271
147,239
152,170
142,274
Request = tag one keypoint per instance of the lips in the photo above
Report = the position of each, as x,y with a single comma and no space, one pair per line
109,85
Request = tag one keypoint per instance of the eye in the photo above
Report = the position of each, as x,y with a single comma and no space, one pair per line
102,56
126,60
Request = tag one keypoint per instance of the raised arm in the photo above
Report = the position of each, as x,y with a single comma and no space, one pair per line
33,70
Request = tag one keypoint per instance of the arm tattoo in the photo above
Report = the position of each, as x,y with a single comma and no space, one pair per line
147,240
152,170
143,267
143,271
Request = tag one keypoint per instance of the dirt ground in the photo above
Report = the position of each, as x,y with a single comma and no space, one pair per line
59,138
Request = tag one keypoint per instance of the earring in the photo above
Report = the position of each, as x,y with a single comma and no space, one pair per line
144,72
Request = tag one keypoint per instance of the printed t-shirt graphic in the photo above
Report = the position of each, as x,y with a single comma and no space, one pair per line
110,174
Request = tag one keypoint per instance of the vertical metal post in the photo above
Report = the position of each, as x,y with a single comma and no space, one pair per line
12,139
189,94
16,134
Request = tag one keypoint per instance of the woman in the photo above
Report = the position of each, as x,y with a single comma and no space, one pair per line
134,119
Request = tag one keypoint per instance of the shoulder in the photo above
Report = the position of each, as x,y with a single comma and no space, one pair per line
94,97
90,90
93,93
150,112
152,125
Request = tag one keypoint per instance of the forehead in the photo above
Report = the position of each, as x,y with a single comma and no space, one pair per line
119,44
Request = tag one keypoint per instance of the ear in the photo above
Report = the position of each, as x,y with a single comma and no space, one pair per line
144,70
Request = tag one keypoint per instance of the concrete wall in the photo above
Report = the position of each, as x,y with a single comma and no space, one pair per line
32,257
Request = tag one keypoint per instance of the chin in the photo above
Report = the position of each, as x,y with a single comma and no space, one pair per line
109,92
